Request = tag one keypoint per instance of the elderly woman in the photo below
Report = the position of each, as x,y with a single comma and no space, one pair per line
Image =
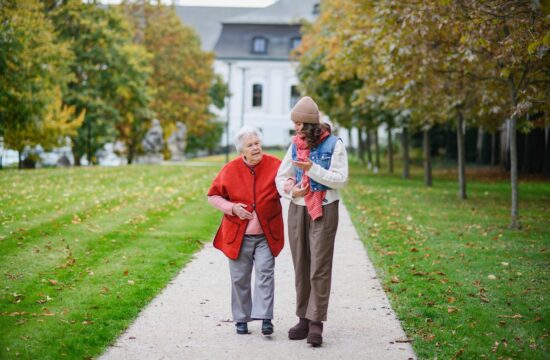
314,167
251,233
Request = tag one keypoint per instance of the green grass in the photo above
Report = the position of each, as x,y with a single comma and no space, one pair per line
83,250
463,285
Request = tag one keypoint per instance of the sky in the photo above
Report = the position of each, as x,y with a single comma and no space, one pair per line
235,3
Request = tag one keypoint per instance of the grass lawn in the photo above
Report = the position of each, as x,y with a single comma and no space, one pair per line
463,285
83,250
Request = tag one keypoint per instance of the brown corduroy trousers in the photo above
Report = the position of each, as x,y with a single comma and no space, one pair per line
312,247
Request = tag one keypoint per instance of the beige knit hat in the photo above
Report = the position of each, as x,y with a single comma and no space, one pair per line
305,111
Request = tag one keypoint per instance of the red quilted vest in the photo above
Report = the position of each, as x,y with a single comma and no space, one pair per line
256,188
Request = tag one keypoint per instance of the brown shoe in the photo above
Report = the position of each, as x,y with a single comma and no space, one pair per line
300,330
315,334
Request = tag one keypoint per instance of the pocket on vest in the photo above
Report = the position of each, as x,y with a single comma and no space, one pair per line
324,160
230,229
276,227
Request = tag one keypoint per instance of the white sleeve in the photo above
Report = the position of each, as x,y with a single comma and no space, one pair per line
336,176
286,171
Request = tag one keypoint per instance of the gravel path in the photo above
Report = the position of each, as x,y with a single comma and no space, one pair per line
191,318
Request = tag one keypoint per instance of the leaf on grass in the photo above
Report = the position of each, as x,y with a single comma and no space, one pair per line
451,300
452,309
395,280
76,219
457,354
53,282
131,282
491,277
516,316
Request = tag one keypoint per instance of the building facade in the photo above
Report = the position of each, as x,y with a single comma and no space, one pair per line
252,50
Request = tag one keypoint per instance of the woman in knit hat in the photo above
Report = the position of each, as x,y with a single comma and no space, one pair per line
251,233
314,167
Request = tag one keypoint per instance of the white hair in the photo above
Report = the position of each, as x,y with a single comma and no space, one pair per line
243,133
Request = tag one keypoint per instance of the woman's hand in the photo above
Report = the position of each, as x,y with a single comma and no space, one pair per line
304,165
239,210
299,191
289,184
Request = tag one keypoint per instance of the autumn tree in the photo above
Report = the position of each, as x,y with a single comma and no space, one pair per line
99,39
182,75
33,64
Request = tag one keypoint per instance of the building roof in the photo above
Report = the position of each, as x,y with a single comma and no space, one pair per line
207,21
236,41
281,12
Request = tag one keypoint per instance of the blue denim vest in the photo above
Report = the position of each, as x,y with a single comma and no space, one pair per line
321,155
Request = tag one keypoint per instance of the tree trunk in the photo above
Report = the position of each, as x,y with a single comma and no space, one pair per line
89,140
76,156
368,146
131,153
406,158
390,151
505,145
461,156
427,159
361,147
20,160
376,151
479,145
514,221
493,148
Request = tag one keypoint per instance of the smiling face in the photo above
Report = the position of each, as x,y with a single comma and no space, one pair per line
298,128
252,149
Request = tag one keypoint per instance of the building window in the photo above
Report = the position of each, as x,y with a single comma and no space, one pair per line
259,45
257,90
294,42
294,95
316,9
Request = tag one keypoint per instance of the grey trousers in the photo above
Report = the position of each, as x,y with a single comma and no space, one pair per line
312,247
255,253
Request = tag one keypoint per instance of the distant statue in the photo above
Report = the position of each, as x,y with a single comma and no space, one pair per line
177,142
153,143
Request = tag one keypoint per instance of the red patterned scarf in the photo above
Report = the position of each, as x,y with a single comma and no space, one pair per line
313,199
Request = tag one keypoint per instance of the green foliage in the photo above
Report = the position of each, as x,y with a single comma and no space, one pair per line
99,39
183,79
218,92
209,140
32,65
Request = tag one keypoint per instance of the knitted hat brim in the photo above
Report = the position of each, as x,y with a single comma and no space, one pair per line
303,117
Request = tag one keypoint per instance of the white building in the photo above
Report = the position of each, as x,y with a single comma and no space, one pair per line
252,47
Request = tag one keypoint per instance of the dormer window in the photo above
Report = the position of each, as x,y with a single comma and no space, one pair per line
316,9
294,42
259,45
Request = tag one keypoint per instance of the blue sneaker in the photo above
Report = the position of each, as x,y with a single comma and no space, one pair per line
242,328
267,327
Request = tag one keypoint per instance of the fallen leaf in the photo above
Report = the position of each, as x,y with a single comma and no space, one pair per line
395,280
491,277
